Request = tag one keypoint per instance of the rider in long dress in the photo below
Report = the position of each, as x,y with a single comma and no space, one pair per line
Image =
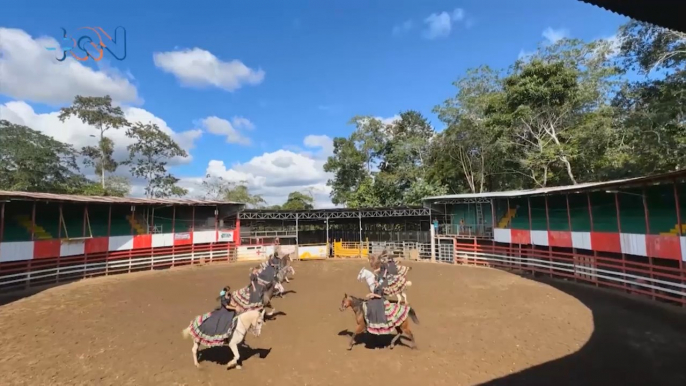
213,328
376,308
250,297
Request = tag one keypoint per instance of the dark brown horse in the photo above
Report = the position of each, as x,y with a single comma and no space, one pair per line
355,304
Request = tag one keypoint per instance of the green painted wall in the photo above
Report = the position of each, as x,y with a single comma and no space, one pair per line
603,214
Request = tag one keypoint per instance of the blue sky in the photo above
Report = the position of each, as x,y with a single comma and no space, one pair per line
304,68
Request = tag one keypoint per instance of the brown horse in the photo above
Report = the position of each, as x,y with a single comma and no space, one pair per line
355,304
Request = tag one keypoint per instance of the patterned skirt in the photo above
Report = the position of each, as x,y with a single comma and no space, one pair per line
395,314
403,270
213,328
395,284
247,299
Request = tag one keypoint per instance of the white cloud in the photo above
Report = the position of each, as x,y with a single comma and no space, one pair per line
401,29
200,68
389,120
555,35
30,72
219,126
274,175
78,134
439,25
242,123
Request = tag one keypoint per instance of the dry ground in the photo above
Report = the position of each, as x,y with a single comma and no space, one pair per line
477,325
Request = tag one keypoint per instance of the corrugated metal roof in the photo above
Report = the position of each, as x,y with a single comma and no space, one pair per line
4,194
583,187
664,13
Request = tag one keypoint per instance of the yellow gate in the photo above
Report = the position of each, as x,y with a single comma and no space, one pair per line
350,249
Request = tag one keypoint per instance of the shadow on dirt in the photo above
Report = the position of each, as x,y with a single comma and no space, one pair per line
222,355
635,342
373,342
14,295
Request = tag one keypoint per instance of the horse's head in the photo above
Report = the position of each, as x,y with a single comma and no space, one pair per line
345,303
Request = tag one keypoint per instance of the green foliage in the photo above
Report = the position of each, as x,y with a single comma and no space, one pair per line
99,113
298,201
217,188
33,162
148,158
564,115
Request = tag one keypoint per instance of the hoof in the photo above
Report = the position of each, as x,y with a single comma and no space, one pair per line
350,348
197,366
238,367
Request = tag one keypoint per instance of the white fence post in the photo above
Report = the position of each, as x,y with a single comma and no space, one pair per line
433,243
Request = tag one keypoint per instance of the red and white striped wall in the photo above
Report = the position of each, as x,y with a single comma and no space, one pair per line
44,249
665,247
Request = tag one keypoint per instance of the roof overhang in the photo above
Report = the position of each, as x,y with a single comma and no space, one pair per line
664,13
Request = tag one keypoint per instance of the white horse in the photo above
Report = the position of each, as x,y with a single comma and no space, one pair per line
283,276
247,321
368,277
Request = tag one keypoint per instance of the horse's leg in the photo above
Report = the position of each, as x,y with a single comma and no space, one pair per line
398,334
194,350
400,299
233,345
408,333
360,329
405,297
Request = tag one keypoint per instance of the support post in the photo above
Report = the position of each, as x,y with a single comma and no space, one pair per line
679,234
327,237
595,252
237,237
533,246
2,220
297,241
547,225
647,219
493,217
432,233
59,227
619,230
359,215
33,221
85,220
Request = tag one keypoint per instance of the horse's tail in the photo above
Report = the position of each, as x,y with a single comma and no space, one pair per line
186,333
413,316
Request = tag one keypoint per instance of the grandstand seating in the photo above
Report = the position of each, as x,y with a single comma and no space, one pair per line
661,213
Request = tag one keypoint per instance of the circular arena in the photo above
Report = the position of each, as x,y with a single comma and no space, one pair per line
477,326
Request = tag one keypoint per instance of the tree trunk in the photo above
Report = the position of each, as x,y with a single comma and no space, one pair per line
568,166
102,160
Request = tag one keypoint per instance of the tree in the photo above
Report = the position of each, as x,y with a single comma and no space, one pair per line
97,112
116,186
298,201
651,119
556,103
148,158
33,162
470,146
217,188
349,167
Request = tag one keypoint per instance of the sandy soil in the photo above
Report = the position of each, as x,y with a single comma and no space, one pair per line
478,325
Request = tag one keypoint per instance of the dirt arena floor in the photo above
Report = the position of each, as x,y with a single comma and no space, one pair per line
478,326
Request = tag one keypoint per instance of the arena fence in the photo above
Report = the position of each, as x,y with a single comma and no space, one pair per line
38,272
655,281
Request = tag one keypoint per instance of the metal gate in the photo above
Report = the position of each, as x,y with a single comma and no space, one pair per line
444,252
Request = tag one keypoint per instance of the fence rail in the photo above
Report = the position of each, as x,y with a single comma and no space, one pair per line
656,282
639,278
